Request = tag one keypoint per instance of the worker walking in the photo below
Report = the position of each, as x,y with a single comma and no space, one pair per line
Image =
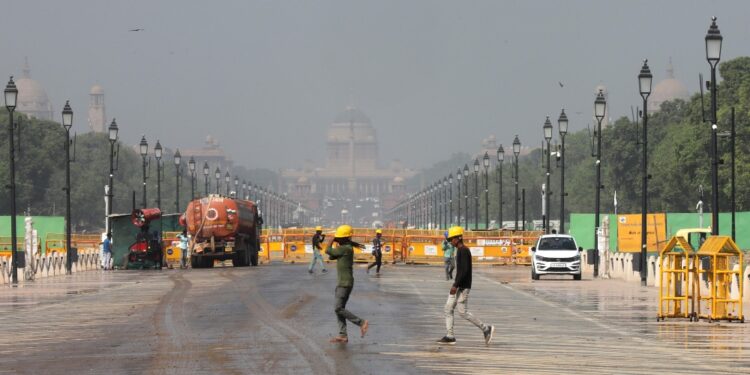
377,246
448,256
343,253
317,241
459,293
107,252
184,240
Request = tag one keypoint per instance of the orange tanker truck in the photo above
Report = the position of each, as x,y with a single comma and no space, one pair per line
223,228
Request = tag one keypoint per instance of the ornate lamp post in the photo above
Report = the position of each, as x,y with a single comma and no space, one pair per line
600,108
713,55
113,130
644,86
547,127
466,193
244,190
476,194
486,162
67,123
500,160
177,162
158,154
143,148
562,123
206,172
11,95
191,167
217,175
450,199
459,175
227,178
516,152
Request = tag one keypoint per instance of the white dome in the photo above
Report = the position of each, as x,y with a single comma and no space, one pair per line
666,90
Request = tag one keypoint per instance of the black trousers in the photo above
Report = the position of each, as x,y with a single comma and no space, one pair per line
377,262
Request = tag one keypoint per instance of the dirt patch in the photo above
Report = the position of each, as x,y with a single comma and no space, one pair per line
290,310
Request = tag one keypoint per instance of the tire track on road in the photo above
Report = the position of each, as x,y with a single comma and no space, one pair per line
309,351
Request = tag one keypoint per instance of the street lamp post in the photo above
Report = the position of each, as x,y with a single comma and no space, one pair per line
444,193
644,86
244,190
466,194
459,175
144,154
217,175
713,55
500,159
562,123
516,152
158,154
227,178
546,211
11,94
191,167
206,172
177,162
600,107
450,199
434,191
113,130
67,122
486,191
476,194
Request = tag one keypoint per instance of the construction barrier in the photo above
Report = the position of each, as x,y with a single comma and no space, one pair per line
724,260
678,280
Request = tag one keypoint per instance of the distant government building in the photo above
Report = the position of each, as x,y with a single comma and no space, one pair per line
352,169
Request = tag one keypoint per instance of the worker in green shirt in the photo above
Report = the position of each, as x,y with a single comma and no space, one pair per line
343,253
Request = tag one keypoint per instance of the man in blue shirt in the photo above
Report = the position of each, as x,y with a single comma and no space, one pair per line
184,239
107,252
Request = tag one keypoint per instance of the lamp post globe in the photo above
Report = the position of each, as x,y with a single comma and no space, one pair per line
206,172
11,95
217,175
713,43
547,127
113,130
158,150
600,106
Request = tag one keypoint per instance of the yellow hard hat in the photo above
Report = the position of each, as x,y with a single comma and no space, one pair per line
343,231
318,229
455,232
379,231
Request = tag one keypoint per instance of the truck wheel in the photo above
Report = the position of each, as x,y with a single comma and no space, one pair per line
253,258
208,262
240,259
196,262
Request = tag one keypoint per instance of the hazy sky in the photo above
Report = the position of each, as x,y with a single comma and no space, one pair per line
266,78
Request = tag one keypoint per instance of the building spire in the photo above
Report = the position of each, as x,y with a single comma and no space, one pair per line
26,68
670,69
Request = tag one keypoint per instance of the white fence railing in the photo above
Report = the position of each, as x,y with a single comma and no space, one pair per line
41,266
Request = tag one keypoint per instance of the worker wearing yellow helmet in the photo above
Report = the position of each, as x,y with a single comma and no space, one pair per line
317,241
459,293
377,247
343,253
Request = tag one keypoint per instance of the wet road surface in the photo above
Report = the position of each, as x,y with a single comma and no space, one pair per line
277,319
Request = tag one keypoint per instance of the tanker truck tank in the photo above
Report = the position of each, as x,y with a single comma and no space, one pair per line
223,228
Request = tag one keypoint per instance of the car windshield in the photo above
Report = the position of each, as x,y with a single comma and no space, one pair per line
557,243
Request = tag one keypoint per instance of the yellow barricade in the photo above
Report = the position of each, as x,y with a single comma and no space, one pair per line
424,248
297,246
725,268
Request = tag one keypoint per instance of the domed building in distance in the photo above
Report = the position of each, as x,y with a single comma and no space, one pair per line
351,171
666,90
32,98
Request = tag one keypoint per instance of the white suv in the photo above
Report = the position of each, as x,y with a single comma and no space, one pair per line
556,254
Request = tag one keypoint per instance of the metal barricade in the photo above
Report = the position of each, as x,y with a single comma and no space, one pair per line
725,262
678,281
295,246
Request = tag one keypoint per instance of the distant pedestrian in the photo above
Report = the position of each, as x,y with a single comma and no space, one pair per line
107,252
377,251
343,253
184,251
317,240
449,253
459,293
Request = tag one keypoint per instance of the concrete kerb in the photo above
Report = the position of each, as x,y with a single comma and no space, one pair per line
49,265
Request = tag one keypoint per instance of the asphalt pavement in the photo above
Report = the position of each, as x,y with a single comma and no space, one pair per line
277,319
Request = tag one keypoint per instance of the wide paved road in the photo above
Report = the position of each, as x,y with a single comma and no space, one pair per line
278,319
